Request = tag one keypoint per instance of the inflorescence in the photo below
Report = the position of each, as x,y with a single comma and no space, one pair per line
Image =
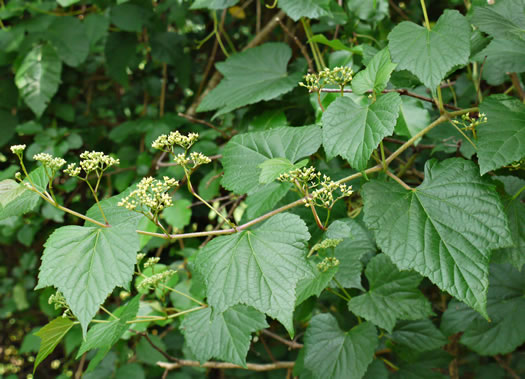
167,143
151,195
470,123
338,76
318,187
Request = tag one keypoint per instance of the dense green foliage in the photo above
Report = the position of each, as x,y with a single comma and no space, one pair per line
233,188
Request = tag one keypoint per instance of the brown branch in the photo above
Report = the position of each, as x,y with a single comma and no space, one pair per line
202,122
506,367
299,44
260,37
224,365
398,10
399,181
290,344
80,369
400,91
164,354
517,86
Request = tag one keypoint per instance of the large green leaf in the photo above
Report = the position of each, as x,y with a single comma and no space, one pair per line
506,306
505,19
119,51
38,77
129,17
225,335
353,131
413,117
502,139
335,354
445,229
87,263
356,242
393,295
315,284
51,334
69,38
105,335
515,209
296,9
259,268
244,153
256,74
430,55
376,75
420,335
505,55
213,4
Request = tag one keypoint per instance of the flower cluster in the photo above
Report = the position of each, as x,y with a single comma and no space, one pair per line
151,262
325,244
339,76
327,264
470,123
166,142
307,178
151,194
72,169
59,301
49,161
18,149
154,280
94,161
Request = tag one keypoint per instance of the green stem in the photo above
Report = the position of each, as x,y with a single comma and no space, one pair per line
342,289
517,193
383,156
308,34
218,34
183,294
337,294
440,100
108,312
424,7
96,200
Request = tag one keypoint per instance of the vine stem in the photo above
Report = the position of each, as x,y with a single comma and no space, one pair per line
402,183
223,365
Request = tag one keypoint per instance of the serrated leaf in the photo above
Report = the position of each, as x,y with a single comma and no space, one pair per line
502,139
506,306
224,336
376,75
245,152
51,334
413,117
213,4
424,365
505,55
68,36
314,284
105,335
38,77
445,229
265,198
272,168
393,295
420,335
313,9
87,263
259,268
357,242
502,20
430,55
251,76
179,214
515,210
333,353
353,131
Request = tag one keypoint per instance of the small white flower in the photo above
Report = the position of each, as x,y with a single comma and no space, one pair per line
18,149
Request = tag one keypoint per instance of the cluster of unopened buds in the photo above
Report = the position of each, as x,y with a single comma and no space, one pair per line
322,187
470,123
151,194
195,159
59,301
338,76
327,264
166,142
326,244
153,281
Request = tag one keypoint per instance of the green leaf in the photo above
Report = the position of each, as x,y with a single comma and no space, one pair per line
244,153
430,55
51,334
128,17
87,263
253,75
506,55
114,214
68,36
259,268
501,20
515,210
413,117
105,335
38,77
502,139
96,27
445,229
272,168
506,305
225,335
333,353
393,295
420,335
376,75
353,131
67,3
357,242
424,365
265,198
213,4
368,10
179,214
119,51
315,284
334,44
296,9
